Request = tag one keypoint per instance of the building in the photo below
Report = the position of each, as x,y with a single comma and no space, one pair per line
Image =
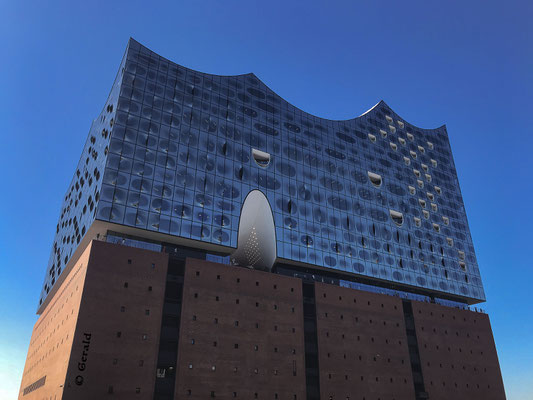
216,241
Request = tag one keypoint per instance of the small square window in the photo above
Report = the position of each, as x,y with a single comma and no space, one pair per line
110,389
137,390
125,284
144,336
146,312
141,363
149,288
119,334
194,317
115,361
129,262
196,295
218,277
236,345
197,273
122,308
153,266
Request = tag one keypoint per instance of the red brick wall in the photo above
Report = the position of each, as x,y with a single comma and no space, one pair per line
215,296
457,353
128,362
362,345
51,340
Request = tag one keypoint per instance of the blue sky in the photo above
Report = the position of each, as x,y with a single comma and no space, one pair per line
466,64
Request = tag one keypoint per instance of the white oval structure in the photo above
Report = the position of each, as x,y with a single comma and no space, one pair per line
256,243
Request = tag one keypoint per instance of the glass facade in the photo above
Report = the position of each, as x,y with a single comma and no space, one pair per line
179,150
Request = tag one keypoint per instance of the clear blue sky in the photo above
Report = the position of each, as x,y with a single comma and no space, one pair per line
468,64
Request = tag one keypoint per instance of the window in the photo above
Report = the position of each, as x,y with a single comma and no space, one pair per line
129,262
153,266
425,213
401,140
115,361
430,196
372,138
236,323
428,177
449,241
144,336
236,301
393,146
424,167
197,273
438,190
406,160
413,154
126,284
122,308
400,124
410,137
236,346
256,347
383,133
375,179
417,173
137,390
434,163
261,158
446,220
421,149
418,221
436,227
146,312
420,183
397,217
422,203
218,277
412,190
110,389
389,119
119,334
141,363
434,207
149,288
430,145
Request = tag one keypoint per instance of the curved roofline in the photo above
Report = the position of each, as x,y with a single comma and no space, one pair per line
251,74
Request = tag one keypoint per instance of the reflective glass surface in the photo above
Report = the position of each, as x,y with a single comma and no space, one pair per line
373,195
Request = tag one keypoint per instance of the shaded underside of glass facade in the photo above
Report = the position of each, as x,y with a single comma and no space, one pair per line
177,151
